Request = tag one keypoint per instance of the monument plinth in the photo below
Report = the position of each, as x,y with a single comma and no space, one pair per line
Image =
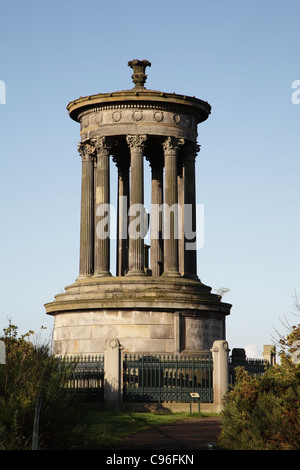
161,306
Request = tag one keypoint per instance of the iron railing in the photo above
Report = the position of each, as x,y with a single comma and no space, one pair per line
255,367
155,378
163,378
86,375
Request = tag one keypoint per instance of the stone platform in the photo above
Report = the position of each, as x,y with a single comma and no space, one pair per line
146,314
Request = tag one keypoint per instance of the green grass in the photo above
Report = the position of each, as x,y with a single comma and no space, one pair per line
95,429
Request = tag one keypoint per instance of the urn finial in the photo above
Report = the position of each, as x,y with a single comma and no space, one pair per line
139,77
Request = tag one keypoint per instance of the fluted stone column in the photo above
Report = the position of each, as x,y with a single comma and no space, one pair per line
190,259
156,251
123,164
181,199
87,152
136,241
102,200
170,232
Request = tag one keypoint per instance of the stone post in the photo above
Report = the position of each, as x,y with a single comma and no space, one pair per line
136,237
170,226
86,263
269,354
102,200
113,371
220,351
177,333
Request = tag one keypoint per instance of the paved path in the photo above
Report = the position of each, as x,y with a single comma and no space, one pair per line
192,434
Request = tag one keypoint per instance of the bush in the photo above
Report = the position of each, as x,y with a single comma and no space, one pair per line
30,377
263,413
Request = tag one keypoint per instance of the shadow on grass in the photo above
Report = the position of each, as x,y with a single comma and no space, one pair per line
96,429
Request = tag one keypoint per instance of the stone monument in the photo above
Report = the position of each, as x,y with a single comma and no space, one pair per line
156,303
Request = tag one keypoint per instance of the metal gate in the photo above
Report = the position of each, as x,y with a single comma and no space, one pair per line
162,378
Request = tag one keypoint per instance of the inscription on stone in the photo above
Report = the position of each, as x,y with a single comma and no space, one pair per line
201,333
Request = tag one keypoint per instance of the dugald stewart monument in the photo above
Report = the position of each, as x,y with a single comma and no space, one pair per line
156,303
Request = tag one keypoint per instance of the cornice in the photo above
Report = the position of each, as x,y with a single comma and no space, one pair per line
145,98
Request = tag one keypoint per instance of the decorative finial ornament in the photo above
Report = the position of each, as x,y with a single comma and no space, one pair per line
139,77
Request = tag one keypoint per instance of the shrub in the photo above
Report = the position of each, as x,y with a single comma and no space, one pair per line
30,377
263,413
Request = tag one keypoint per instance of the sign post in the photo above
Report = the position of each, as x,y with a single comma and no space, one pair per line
192,397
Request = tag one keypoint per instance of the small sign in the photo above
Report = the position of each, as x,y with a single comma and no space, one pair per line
2,352
194,395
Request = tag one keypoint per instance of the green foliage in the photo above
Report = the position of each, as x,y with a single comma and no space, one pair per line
29,375
263,413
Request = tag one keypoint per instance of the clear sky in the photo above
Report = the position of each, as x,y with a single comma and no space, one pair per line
241,57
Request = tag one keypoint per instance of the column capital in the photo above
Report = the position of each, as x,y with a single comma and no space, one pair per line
86,150
136,142
122,162
191,149
103,145
172,144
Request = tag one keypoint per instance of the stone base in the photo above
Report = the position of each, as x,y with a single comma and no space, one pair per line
149,315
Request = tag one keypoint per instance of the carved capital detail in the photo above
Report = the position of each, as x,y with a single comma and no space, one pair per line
86,150
103,145
191,150
122,163
172,144
136,142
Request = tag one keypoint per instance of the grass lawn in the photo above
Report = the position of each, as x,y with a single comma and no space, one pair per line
95,429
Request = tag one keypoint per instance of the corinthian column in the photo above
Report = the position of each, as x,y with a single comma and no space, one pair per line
87,152
102,199
122,163
156,216
180,182
190,254
136,209
171,214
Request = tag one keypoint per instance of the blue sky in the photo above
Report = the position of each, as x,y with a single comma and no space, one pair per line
241,57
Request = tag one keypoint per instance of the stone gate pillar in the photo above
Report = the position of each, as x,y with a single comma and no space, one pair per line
220,351
113,371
